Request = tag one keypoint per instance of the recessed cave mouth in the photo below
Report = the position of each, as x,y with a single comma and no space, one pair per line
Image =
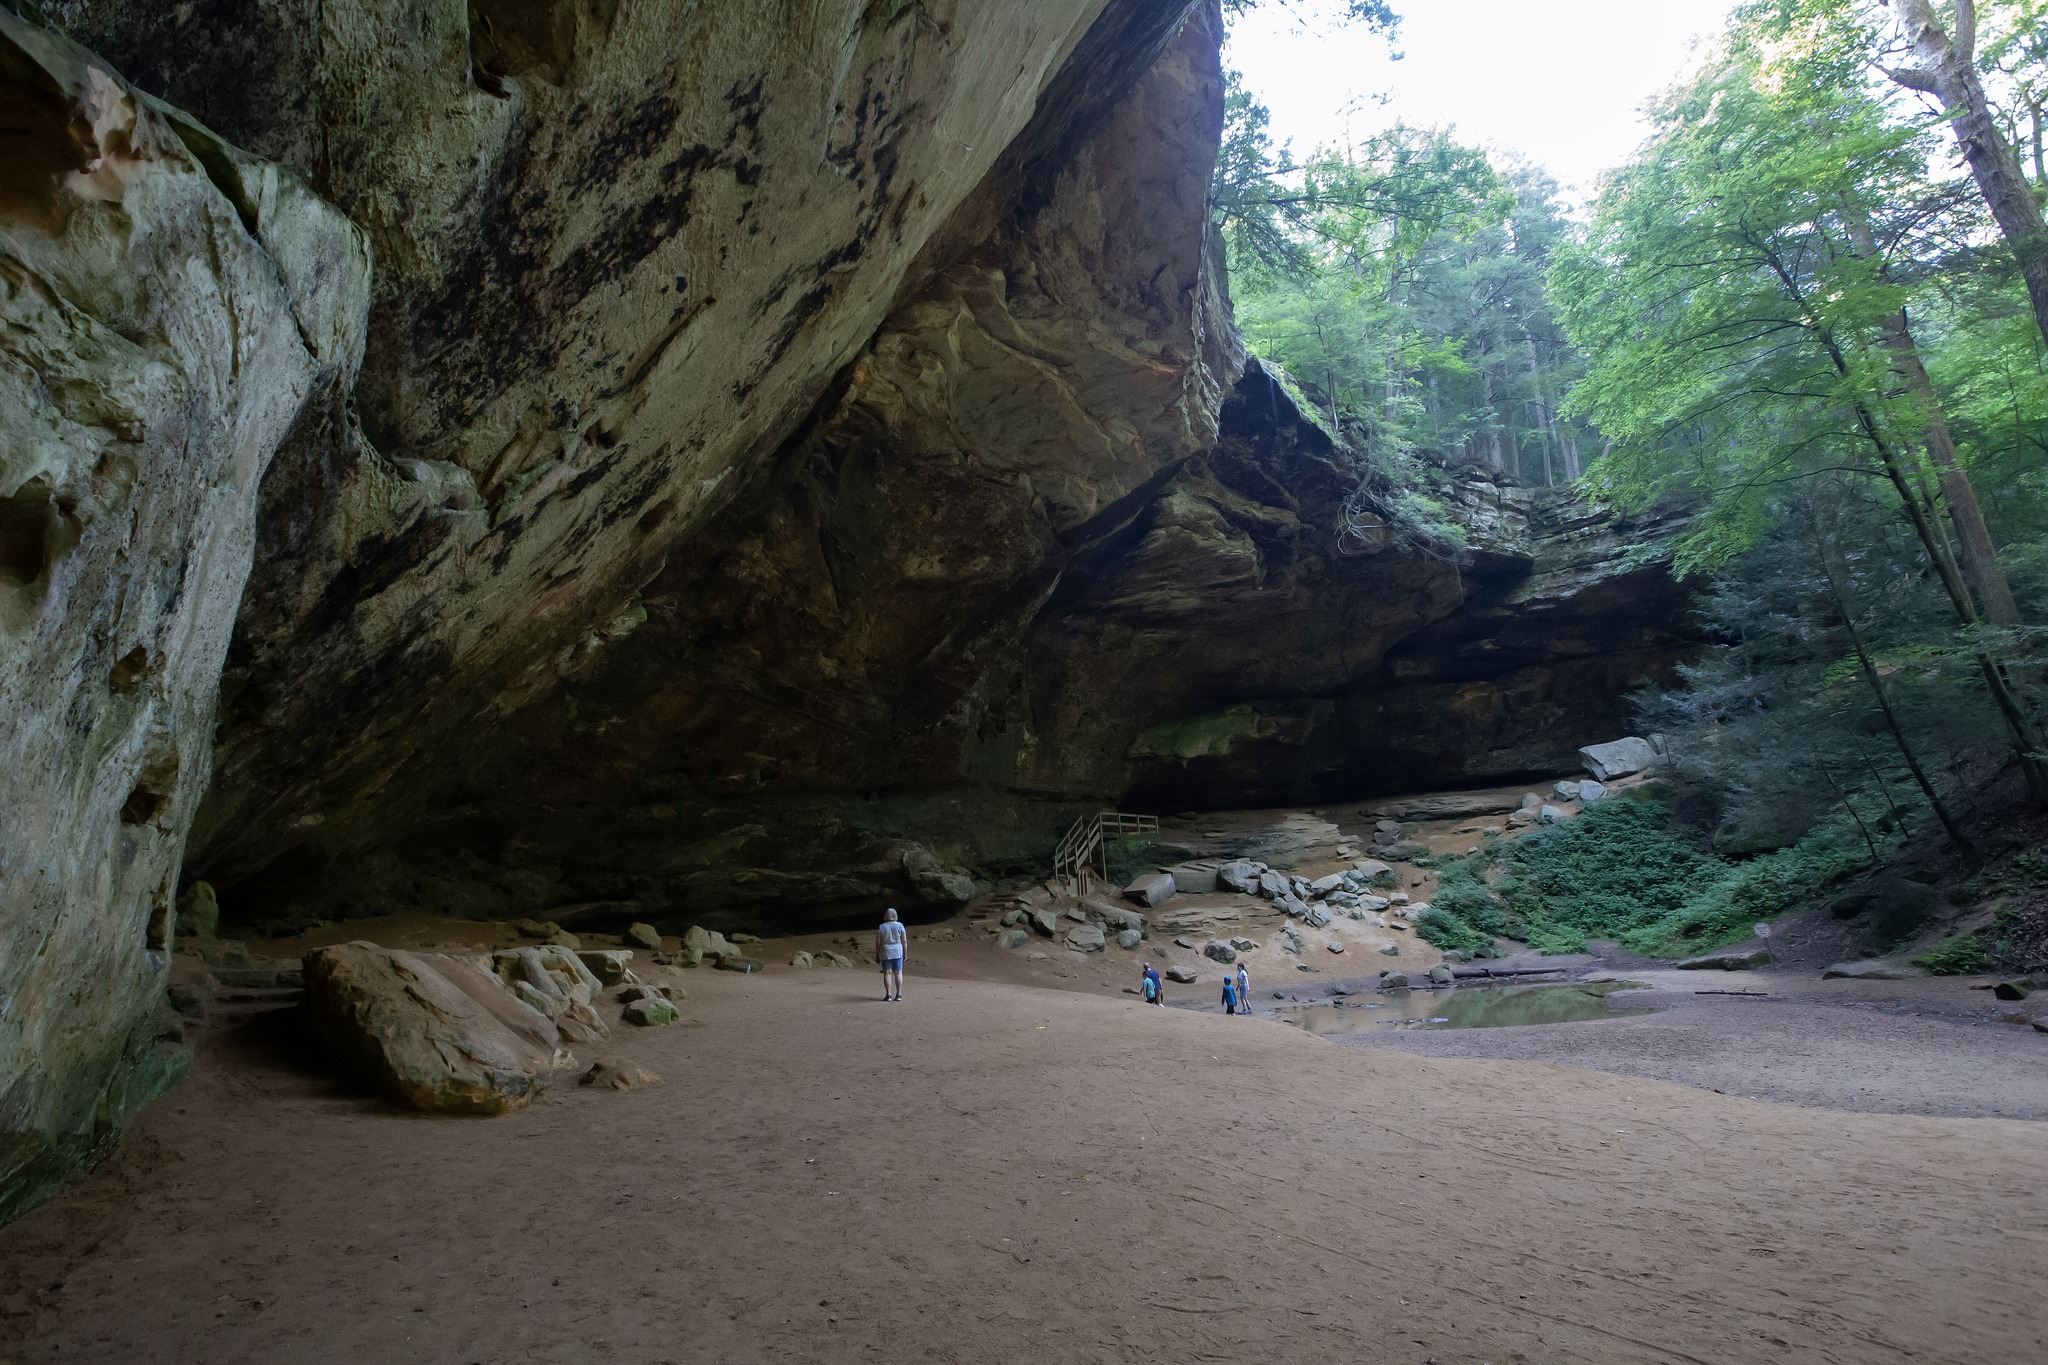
143,806
126,677
25,524
1462,1007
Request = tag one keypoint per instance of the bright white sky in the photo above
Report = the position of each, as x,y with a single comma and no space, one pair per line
1560,81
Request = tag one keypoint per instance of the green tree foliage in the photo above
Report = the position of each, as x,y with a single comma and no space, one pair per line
1401,282
1743,295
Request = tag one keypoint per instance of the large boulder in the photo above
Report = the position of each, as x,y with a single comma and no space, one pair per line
1086,938
1240,876
1195,879
1152,888
1618,758
1218,951
650,1012
1112,917
430,1032
555,972
608,965
1899,912
935,884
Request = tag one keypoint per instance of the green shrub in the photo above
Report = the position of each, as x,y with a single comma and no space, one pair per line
1450,933
1956,955
1620,871
1617,871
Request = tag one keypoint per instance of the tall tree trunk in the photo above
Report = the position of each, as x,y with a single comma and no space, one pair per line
1493,455
1980,555
1536,403
2029,748
1948,72
1837,573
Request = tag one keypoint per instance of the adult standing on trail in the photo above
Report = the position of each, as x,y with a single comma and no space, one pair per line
1244,990
890,941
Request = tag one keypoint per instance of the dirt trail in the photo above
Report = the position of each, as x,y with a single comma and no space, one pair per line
992,1172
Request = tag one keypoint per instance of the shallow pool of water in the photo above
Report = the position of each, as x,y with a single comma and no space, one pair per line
1461,1007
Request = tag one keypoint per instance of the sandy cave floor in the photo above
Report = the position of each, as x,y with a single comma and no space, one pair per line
1022,1162
990,1171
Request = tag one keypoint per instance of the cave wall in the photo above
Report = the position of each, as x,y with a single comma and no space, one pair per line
171,312
622,251
1051,543
764,441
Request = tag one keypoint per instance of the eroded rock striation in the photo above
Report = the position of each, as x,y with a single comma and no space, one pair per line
170,312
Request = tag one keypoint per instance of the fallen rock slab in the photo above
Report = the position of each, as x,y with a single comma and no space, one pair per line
1187,976
1086,938
1734,960
1617,758
1871,969
1112,917
429,1032
1446,808
1154,888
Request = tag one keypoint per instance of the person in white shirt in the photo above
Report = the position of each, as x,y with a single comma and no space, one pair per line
890,941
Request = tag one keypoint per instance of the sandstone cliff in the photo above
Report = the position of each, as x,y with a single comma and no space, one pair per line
763,443
169,311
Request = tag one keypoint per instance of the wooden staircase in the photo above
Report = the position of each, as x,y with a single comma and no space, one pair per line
1088,843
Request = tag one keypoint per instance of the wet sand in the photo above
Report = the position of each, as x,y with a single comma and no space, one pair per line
993,1172
1928,1046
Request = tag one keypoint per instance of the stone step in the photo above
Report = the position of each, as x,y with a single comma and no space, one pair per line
259,978
243,1011
259,995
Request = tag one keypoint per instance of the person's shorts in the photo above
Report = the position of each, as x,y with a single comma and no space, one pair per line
892,964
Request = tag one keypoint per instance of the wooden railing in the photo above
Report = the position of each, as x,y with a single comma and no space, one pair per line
1088,841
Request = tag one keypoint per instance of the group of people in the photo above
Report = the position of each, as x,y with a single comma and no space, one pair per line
892,937
1237,989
